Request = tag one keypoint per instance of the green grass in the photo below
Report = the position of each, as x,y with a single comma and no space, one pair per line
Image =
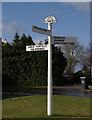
35,107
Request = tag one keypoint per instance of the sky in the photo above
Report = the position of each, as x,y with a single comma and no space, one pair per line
73,19
46,0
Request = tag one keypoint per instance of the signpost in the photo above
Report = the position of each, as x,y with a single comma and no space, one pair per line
51,40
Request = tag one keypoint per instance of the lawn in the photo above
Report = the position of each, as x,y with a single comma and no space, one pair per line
35,107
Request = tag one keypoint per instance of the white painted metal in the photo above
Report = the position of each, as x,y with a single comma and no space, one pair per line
49,92
41,30
64,40
82,77
36,47
50,19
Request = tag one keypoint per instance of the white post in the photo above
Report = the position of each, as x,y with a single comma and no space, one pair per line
49,92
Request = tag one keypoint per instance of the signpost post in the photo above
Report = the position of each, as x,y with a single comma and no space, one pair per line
50,20
51,40
49,108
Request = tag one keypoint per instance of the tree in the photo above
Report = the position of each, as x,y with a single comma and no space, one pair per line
16,38
89,55
86,58
29,68
8,64
72,53
90,58
59,63
40,43
86,62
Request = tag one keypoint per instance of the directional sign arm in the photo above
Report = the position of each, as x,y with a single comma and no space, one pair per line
41,30
64,40
37,47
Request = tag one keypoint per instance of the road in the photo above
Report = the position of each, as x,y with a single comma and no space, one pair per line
63,90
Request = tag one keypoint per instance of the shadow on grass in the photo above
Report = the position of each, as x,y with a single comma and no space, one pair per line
46,119
69,116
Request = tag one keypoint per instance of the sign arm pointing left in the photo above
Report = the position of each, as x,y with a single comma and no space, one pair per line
41,30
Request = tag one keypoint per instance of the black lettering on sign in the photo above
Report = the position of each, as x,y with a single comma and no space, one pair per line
45,30
59,40
39,48
30,46
57,37
35,27
63,37
32,49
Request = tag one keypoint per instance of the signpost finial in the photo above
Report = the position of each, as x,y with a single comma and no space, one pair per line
50,19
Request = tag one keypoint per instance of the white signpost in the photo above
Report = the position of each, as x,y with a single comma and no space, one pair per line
51,40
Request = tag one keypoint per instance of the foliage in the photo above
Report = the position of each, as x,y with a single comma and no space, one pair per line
59,63
29,68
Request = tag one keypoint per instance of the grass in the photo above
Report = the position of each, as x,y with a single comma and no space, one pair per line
35,107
